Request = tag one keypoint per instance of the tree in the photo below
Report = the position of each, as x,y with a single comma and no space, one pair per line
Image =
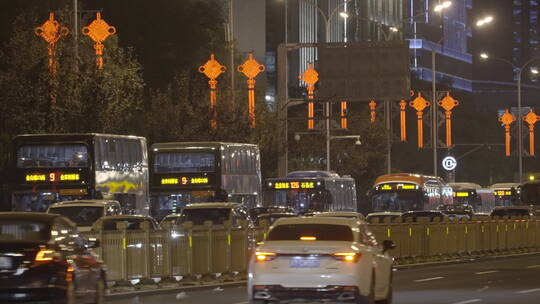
78,98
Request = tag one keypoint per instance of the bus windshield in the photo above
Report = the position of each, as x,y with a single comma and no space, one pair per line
166,204
397,201
52,156
299,200
181,162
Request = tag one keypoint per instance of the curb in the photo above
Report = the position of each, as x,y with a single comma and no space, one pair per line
157,291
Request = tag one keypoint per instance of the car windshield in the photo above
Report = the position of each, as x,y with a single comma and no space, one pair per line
23,230
272,218
321,232
80,215
199,216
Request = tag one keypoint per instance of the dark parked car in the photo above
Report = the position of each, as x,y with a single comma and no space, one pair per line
44,259
511,211
429,214
255,212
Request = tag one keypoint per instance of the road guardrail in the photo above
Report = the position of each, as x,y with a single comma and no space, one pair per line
191,254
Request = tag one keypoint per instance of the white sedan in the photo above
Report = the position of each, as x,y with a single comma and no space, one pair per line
321,258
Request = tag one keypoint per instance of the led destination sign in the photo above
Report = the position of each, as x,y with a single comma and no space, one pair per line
284,185
185,180
502,192
52,177
390,187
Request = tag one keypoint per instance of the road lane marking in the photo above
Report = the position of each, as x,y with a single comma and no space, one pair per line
486,272
534,266
469,301
428,279
528,291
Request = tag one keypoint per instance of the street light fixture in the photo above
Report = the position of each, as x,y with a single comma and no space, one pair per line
518,70
484,20
442,6
344,15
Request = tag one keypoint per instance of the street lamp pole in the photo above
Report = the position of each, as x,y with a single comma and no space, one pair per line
326,20
434,105
519,72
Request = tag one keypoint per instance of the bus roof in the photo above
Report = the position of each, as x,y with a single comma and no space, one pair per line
505,186
197,145
296,174
403,177
70,136
464,186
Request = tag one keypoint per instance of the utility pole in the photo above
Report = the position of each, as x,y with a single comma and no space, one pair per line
231,44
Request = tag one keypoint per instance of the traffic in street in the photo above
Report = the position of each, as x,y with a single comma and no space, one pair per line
492,281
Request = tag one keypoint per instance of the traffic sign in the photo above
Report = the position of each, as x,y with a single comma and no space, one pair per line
449,163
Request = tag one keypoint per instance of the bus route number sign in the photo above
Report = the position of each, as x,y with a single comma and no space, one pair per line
52,177
294,185
185,180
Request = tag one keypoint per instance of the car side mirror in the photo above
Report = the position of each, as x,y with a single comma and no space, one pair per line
388,245
92,243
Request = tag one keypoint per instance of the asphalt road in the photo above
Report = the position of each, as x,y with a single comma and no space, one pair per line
514,280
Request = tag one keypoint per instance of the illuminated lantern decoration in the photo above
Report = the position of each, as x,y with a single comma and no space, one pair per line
251,68
310,77
507,119
402,120
448,104
51,31
99,31
212,69
344,115
420,104
372,106
531,118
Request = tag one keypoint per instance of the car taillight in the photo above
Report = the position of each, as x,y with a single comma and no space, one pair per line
264,256
347,256
45,255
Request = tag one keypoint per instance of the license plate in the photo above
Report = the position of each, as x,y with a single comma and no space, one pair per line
305,263
5,263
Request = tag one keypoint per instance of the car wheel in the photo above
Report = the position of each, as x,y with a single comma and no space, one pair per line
100,292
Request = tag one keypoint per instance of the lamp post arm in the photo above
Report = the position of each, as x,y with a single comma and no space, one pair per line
529,62
507,62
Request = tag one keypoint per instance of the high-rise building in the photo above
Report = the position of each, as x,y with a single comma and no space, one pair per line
513,37
447,32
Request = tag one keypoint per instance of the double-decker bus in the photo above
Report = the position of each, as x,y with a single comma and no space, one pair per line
506,194
311,191
402,192
195,172
50,168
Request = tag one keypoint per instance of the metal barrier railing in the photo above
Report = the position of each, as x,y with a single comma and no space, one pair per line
221,252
